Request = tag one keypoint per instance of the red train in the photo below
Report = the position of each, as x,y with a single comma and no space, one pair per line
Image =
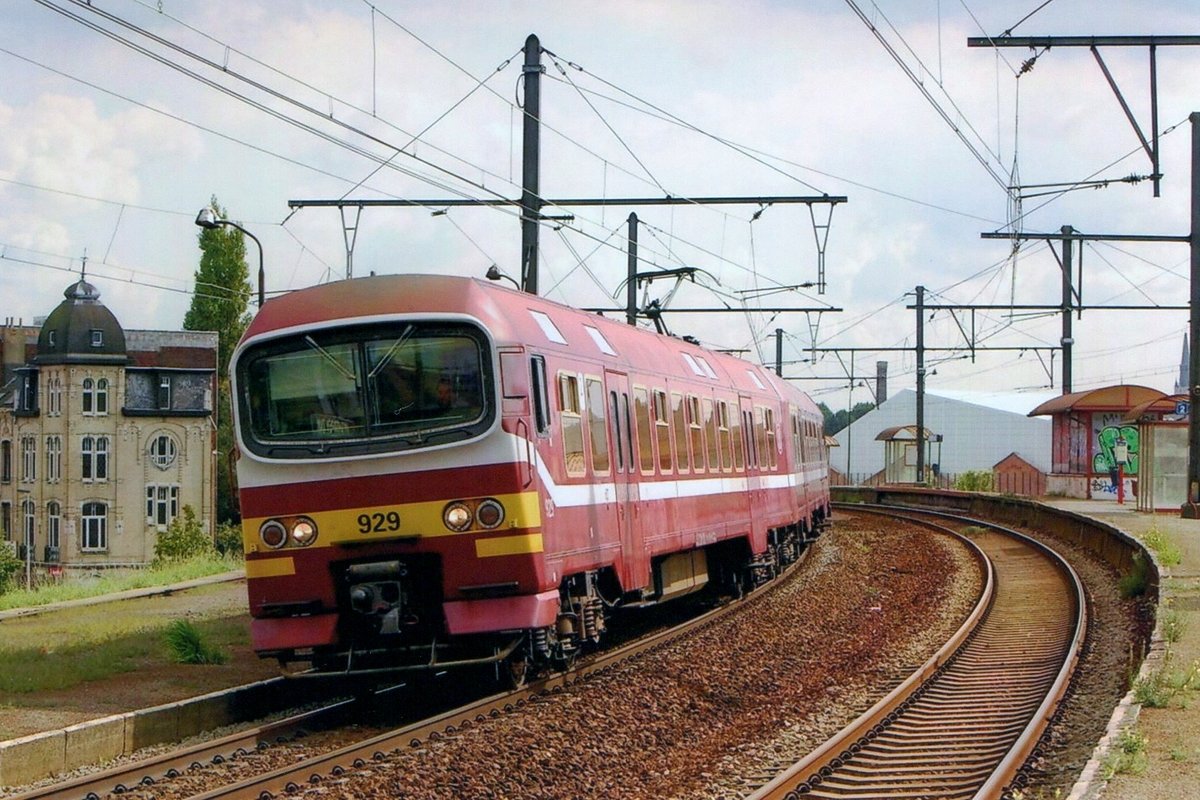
438,471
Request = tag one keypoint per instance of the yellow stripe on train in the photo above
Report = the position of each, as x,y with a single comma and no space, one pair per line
522,510
270,567
509,545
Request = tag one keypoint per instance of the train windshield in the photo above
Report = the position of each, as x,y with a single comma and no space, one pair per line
365,389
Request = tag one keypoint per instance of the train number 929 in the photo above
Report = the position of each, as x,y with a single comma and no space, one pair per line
379,522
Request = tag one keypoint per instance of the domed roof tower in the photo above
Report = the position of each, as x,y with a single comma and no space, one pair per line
81,331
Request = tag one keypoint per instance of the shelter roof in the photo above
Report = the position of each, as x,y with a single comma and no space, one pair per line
905,433
1155,408
1121,397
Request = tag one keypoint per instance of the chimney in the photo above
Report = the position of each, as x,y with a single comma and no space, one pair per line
880,382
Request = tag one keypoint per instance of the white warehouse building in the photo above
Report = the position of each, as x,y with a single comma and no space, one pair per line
978,430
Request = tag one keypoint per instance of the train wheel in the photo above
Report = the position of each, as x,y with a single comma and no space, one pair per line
514,671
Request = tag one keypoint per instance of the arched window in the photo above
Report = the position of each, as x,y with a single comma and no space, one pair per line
53,458
94,528
89,396
53,524
87,457
162,451
102,396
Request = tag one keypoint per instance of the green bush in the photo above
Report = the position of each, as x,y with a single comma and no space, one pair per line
10,568
184,538
1134,584
975,480
229,540
188,646
1129,756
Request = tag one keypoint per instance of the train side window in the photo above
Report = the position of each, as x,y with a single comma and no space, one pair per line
662,432
710,429
541,399
735,433
597,426
571,420
748,427
696,431
627,426
723,435
616,418
769,430
761,458
681,432
641,410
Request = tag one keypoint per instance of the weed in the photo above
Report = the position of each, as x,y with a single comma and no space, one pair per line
974,481
188,646
1129,757
1173,625
1179,754
1169,554
1165,685
1134,583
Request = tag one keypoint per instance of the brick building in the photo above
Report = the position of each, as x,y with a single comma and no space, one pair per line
105,435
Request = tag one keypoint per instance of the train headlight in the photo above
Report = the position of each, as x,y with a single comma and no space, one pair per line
304,531
273,534
457,516
489,514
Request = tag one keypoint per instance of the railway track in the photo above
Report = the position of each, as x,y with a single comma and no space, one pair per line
964,724
155,775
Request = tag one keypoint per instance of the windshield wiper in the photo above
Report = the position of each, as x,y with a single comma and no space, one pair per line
387,357
347,374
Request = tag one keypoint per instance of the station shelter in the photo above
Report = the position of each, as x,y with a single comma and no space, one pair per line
900,453
1162,427
1089,433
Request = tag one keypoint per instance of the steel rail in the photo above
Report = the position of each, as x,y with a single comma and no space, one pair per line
944,739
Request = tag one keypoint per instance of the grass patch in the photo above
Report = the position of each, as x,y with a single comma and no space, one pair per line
1173,625
1134,583
120,582
1164,547
41,669
1166,686
1129,757
187,645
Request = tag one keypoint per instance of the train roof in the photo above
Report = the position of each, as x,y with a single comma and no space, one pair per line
515,317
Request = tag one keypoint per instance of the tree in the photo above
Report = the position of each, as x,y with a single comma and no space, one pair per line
219,303
836,420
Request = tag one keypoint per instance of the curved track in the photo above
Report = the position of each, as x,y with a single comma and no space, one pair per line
965,729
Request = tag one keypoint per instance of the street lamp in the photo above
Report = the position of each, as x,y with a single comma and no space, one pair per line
494,274
208,219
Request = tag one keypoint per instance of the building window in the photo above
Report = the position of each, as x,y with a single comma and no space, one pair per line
94,530
164,391
97,338
162,451
53,524
94,458
55,396
28,459
50,338
29,524
29,392
6,521
6,461
162,504
53,459
89,396
102,397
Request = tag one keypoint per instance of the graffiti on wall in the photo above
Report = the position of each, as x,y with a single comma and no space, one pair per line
1105,458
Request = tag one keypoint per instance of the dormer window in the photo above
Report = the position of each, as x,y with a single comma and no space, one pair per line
50,338
97,337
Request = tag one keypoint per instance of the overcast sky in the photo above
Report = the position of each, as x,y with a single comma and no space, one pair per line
108,152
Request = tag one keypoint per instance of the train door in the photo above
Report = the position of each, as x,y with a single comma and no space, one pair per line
755,493
635,569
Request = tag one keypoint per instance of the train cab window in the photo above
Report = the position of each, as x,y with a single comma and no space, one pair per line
679,419
735,436
723,435
597,427
696,432
710,428
541,400
641,410
769,431
662,432
571,419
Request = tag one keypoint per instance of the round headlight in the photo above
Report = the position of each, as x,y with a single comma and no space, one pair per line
273,534
457,516
304,532
489,514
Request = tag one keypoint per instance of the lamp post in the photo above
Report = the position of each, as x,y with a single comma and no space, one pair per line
208,219
494,274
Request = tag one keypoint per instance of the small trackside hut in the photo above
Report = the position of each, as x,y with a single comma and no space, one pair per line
439,471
